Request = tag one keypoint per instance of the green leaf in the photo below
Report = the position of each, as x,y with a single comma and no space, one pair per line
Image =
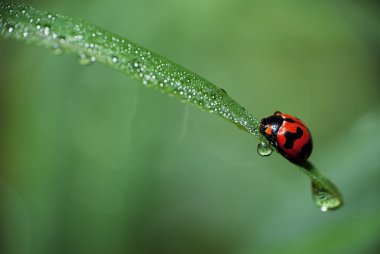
93,44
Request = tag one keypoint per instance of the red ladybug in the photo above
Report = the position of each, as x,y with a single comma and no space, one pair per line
289,135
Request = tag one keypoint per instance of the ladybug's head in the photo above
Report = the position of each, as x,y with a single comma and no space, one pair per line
269,126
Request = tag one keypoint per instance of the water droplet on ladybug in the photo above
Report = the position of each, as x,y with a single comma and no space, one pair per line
264,149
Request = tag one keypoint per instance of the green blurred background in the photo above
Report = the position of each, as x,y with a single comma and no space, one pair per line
93,162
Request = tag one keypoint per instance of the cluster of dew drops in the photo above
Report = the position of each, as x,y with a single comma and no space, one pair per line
24,26
93,44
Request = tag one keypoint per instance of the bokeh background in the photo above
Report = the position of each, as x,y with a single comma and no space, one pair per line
93,162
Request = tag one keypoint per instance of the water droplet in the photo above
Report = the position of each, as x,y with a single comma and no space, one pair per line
115,59
264,149
324,198
62,39
25,34
86,59
57,50
46,30
10,28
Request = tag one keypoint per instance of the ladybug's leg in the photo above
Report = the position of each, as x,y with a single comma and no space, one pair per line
273,141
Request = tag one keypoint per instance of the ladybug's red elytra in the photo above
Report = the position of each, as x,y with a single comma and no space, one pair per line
289,135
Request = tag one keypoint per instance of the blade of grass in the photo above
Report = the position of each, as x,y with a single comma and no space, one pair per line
93,44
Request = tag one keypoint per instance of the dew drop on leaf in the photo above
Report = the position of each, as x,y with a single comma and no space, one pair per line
62,39
115,59
264,149
85,59
324,198
10,28
57,50
46,30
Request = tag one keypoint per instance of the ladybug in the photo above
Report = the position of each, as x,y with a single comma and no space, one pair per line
289,135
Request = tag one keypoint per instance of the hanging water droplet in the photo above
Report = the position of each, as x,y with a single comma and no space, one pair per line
264,149
325,194
324,198
62,39
86,59
57,50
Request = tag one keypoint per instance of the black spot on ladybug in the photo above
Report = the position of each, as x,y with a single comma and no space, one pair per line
306,150
275,120
291,138
289,120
